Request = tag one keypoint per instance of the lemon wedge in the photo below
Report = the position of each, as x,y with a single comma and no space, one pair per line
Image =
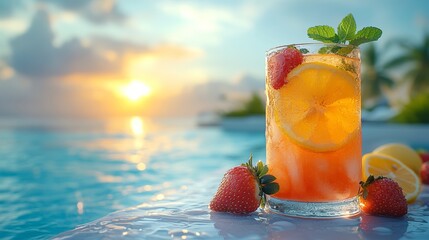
383,165
403,153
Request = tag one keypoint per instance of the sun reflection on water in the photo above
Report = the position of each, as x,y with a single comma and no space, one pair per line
80,206
137,126
141,166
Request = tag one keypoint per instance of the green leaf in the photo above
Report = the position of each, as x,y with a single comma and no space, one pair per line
366,34
346,34
304,50
322,33
264,170
346,28
263,201
271,188
260,166
329,49
249,162
347,66
365,193
324,50
345,50
370,179
267,179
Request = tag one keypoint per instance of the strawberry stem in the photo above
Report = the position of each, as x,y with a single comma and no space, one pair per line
266,183
363,191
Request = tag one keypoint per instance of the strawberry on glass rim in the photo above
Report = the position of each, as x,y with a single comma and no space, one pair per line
281,63
244,188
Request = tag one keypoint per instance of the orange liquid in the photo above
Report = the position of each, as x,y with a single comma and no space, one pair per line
309,175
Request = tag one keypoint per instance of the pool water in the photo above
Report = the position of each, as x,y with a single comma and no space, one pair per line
56,175
140,178
184,215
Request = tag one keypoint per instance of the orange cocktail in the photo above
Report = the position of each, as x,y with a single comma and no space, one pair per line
313,128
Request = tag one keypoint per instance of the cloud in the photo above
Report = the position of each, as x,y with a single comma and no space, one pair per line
8,7
80,72
33,53
6,72
214,95
212,22
22,98
97,11
12,26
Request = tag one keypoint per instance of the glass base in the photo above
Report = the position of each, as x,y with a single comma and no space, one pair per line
336,209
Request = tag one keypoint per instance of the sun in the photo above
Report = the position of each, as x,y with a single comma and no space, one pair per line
135,90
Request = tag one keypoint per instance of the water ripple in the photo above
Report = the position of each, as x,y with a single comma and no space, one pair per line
182,217
53,179
155,185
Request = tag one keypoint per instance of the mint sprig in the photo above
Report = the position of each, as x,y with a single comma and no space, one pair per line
323,33
346,33
367,34
347,28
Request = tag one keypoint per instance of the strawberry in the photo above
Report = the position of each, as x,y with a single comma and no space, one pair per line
424,155
243,189
281,63
382,196
424,173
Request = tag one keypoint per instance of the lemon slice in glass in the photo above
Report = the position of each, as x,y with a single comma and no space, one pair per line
319,106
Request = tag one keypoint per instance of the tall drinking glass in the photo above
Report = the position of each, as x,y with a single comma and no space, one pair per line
313,129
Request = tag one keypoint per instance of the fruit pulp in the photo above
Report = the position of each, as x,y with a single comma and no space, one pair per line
313,129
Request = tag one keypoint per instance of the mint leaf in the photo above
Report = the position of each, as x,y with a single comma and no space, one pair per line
346,28
366,34
329,49
323,33
346,35
345,51
304,50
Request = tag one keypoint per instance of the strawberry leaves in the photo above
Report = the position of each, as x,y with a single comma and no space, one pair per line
363,190
266,183
267,179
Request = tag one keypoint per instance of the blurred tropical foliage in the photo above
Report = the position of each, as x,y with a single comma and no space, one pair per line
374,76
254,106
408,69
416,59
416,111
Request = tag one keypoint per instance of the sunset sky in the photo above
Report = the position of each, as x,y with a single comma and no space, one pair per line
96,58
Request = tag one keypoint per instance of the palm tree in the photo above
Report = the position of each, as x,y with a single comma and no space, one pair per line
416,58
374,77
254,106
